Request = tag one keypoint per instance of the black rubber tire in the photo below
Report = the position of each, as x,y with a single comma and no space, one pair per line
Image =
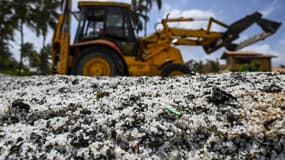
166,72
121,69
113,60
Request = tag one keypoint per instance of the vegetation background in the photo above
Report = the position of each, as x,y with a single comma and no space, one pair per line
40,16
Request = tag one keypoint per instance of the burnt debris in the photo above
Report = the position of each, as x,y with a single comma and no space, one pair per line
219,96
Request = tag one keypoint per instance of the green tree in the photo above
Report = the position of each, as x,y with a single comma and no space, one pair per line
37,15
45,64
31,54
23,13
211,66
5,58
195,66
251,67
139,13
149,6
45,17
141,9
7,26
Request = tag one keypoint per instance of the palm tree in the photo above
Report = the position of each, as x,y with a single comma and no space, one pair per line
149,5
44,60
141,9
23,13
139,13
6,30
45,17
30,53
38,15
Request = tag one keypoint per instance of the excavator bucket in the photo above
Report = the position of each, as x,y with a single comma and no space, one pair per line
234,30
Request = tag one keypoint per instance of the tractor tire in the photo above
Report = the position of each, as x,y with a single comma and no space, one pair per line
175,70
121,69
98,62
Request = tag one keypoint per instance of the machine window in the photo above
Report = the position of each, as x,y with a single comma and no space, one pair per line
115,22
93,29
92,26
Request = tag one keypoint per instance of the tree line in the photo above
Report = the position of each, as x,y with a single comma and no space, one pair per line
40,16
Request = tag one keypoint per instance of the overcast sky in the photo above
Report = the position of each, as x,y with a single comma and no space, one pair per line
227,11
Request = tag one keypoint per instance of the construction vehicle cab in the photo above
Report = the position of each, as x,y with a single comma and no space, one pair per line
110,21
106,31
106,43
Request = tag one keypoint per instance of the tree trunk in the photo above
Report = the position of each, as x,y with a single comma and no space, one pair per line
44,41
145,25
1,53
42,57
21,50
1,39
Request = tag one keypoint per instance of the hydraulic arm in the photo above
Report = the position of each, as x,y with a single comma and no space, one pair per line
269,28
61,40
212,40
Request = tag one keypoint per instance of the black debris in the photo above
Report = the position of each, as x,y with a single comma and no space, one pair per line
19,106
219,96
269,122
101,94
273,88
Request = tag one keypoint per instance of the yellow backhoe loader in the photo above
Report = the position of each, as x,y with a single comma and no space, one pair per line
106,43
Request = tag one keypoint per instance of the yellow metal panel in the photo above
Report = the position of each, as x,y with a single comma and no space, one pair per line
94,3
187,42
64,54
136,67
195,33
56,35
153,65
171,53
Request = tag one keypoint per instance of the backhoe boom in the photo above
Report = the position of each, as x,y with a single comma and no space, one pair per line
212,40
